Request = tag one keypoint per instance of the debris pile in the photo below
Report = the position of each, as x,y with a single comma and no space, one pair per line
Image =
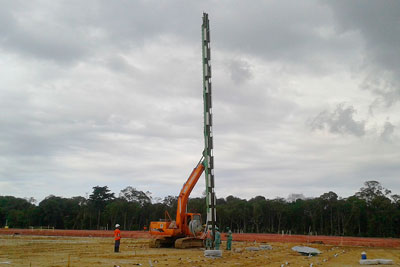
307,251
213,254
252,248
265,247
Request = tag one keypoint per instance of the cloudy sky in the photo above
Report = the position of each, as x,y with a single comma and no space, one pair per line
306,96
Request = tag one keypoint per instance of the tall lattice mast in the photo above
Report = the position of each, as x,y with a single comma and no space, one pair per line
208,136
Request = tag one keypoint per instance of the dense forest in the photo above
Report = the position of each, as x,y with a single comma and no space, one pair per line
373,211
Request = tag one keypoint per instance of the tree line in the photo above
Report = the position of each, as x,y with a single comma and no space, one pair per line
372,211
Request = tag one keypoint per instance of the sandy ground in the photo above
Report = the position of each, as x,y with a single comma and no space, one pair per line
35,251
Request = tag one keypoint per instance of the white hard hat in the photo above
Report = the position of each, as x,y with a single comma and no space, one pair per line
117,225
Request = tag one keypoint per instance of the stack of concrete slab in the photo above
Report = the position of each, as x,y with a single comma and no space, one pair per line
376,262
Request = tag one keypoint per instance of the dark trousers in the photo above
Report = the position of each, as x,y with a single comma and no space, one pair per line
116,248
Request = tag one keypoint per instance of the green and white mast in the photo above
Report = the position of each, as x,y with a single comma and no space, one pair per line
208,135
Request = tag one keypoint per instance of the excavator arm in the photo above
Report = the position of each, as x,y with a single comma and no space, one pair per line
185,193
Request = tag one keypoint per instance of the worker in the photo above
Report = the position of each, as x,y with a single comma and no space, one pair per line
117,237
228,239
217,240
208,239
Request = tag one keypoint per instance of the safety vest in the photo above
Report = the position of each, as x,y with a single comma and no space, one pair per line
117,234
208,236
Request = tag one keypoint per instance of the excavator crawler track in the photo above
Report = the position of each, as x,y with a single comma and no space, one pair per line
161,242
189,242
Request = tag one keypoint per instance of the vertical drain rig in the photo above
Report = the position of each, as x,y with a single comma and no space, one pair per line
208,135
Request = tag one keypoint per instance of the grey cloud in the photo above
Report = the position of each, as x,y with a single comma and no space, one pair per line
118,63
240,70
378,22
39,34
388,130
251,106
302,37
385,85
111,91
340,121
73,30
70,31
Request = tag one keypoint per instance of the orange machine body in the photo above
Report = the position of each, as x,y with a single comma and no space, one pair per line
179,227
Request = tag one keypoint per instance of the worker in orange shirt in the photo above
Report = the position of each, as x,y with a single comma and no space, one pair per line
117,237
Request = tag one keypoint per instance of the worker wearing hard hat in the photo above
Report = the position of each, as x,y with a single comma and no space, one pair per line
117,237
217,240
208,239
228,239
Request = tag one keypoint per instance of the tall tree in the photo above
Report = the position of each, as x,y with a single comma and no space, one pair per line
16,212
52,209
329,203
371,190
131,194
258,206
99,198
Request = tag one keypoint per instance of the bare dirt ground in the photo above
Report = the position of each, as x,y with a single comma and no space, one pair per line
25,250
329,240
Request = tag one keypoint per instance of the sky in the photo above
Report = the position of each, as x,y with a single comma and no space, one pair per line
306,96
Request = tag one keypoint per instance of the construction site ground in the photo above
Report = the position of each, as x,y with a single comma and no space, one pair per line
21,249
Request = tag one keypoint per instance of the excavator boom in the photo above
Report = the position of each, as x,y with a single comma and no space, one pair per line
185,193
181,231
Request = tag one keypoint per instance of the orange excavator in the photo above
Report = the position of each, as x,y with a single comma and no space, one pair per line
186,231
